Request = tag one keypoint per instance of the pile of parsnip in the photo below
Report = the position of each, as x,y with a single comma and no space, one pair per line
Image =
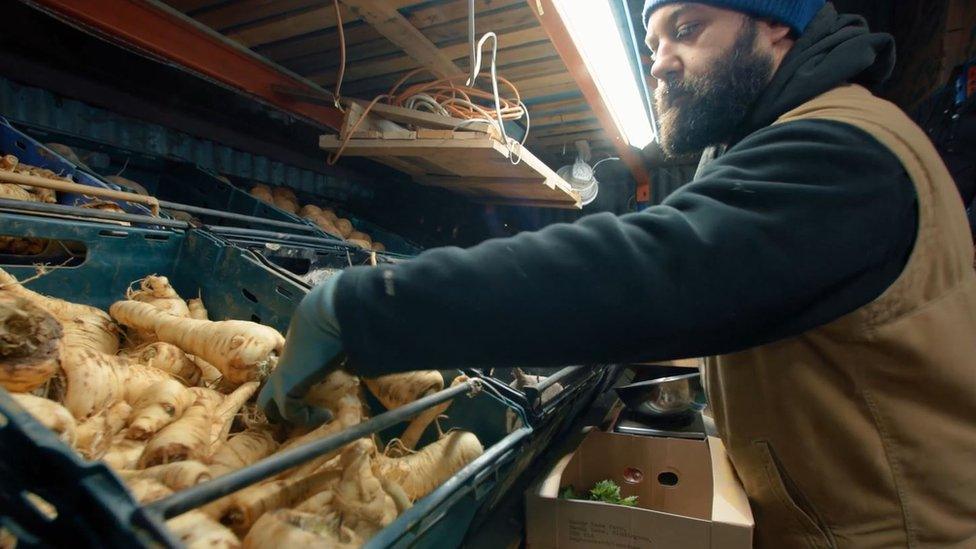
325,218
164,396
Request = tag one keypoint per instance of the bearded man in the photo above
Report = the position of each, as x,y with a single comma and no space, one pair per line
821,257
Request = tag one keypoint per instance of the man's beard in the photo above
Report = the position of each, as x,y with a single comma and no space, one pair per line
713,106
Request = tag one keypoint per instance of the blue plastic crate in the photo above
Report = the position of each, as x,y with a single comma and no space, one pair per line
30,151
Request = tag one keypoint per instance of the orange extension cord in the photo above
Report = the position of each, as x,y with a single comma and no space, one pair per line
441,96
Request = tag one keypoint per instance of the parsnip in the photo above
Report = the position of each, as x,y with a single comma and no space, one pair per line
50,414
158,292
365,506
200,429
176,476
246,506
146,490
349,412
189,437
395,390
123,453
197,309
196,530
166,357
91,381
288,528
241,450
242,351
427,469
31,340
95,435
415,429
328,392
159,405
84,327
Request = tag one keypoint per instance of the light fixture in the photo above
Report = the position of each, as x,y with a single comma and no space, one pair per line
608,53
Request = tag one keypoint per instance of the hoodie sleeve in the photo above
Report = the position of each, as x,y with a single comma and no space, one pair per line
797,225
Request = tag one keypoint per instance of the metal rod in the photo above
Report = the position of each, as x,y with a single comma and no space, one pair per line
71,187
558,376
241,231
392,533
236,216
201,494
90,213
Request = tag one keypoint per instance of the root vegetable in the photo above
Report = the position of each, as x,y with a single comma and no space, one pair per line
189,437
226,410
11,191
378,247
361,243
427,469
344,226
95,435
200,429
263,195
196,530
159,405
197,310
329,392
242,351
49,414
288,528
146,490
91,382
249,504
241,450
360,498
330,215
395,390
30,344
168,358
157,291
124,453
348,412
129,184
176,476
309,210
359,235
83,326
286,204
415,429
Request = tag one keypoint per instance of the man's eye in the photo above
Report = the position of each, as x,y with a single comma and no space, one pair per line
684,31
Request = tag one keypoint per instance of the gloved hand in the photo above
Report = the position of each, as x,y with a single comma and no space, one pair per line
313,348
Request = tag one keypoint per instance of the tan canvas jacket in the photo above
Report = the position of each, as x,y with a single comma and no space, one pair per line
862,432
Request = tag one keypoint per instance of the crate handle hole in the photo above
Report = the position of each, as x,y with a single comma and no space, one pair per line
112,234
285,292
249,296
17,250
20,144
160,237
256,318
668,478
42,506
633,475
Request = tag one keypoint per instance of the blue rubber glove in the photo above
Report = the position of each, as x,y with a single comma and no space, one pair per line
313,348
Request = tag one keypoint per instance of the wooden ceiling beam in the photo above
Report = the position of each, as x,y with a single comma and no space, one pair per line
182,42
550,19
394,27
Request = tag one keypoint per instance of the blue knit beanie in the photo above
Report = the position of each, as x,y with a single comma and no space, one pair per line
795,13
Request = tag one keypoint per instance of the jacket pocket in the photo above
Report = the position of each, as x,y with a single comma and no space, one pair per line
793,502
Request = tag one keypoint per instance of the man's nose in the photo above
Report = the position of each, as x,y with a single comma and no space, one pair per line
666,66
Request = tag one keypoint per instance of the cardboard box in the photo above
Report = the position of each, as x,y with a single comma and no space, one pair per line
688,497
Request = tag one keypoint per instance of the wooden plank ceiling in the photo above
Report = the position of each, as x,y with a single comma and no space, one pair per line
302,36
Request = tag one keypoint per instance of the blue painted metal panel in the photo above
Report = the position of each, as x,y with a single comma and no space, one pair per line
41,109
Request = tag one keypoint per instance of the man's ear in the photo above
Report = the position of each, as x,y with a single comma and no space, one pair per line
775,32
